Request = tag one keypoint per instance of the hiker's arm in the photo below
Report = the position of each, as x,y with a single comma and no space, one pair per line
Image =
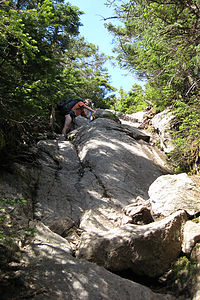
88,108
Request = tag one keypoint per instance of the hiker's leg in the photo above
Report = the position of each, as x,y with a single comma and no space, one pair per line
67,125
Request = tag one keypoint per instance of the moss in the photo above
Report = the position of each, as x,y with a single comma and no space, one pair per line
183,276
72,137
196,220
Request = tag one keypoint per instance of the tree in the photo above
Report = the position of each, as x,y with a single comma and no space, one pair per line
132,101
33,37
159,40
89,77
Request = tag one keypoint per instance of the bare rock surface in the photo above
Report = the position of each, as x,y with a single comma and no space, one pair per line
123,166
54,274
169,193
104,167
77,190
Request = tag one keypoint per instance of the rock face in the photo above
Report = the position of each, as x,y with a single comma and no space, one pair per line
102,113
85,194
105,168
122,165
169,193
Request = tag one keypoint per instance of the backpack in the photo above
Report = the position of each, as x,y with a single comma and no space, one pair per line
66,107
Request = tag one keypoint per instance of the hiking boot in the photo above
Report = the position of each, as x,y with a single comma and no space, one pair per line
61,138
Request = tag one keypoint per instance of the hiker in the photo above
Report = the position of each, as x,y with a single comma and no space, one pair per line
77,109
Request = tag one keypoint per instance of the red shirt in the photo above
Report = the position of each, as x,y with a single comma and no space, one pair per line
78,109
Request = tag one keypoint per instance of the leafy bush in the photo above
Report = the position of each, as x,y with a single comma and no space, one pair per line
132,101
187,136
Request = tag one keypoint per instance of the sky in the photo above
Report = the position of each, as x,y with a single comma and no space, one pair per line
94,32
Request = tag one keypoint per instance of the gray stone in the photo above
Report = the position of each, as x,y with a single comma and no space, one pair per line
124,167
195,282
163,123
78,188
140,215
191,236
104,167
169,193
101,219
146,250
102,113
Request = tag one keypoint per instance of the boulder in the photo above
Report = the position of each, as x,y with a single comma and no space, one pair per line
191,236
139,116
195,280
139,211
135,133
139,214
169,193
136,120
108,114
146,250
163,122
81,121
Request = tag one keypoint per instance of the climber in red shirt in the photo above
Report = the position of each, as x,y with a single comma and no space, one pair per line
76,111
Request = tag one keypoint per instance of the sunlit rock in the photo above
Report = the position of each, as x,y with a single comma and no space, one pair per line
146,250
169,193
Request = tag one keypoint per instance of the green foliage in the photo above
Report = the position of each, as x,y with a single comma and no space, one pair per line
159,40
186,136
130,102
33,37
85,73
42,61
183,276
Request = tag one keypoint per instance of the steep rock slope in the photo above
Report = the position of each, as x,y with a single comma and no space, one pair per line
82,185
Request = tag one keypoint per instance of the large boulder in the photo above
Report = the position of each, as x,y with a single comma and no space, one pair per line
146,250
163,122
135,118
169,193
108,114
51,272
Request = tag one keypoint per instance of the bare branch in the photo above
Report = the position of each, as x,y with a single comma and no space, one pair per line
108,18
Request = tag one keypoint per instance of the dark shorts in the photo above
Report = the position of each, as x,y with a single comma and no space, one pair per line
72,115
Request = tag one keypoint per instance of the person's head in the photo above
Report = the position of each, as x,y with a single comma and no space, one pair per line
88,102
